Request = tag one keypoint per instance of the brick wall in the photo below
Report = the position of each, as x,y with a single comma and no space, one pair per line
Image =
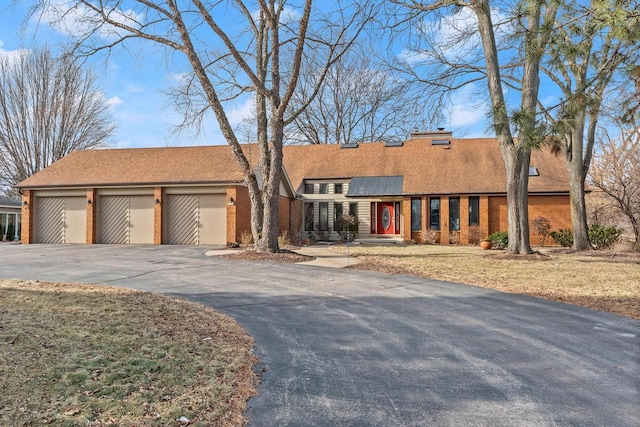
555,208
26,236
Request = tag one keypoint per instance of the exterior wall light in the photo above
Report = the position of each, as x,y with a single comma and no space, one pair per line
231,201
156,201
89,201
25,203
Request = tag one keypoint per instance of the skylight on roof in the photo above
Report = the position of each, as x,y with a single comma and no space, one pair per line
533,171
440,142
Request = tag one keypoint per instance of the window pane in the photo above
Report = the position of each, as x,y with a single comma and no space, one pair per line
308,189
434,212
324,189
337,213
308,216
323,220
454,214
416,214
353,209
474,210
337,188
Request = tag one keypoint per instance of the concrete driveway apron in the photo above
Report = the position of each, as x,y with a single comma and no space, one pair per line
351,348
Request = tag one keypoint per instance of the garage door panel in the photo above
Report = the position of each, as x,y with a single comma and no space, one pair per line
182,224
75,220
113,222
140,219
213,220
50,220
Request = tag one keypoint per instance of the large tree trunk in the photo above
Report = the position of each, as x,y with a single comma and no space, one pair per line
577,174
516,159
516,156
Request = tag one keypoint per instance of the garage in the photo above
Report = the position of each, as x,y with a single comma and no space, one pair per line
125,219
60,219
195,219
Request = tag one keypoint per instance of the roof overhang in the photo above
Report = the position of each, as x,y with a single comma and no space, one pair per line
369,186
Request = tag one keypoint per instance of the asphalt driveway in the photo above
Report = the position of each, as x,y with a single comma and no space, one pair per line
352,348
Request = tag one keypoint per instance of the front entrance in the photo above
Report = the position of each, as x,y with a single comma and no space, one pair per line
386,218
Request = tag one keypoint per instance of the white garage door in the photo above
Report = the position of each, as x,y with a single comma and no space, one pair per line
196,219
125,219
60,220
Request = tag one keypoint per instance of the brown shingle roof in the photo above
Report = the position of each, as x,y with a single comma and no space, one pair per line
140,166
466,166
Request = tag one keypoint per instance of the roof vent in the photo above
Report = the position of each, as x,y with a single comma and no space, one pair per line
393,143
351,145
440,142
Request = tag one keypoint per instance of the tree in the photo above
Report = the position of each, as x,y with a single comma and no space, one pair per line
232,48
515,62
587,51
616,171
49,107
359,101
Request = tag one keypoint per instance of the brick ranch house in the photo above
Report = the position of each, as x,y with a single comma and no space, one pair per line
195,195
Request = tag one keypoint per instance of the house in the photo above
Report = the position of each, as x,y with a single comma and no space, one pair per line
10,218
430,185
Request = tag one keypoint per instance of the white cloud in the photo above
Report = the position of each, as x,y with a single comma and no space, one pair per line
78,20
114,101
244,111
467,109
12,55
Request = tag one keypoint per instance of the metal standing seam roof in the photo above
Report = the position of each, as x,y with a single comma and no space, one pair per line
375,186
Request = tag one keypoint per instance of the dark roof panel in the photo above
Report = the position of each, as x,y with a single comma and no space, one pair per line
375,186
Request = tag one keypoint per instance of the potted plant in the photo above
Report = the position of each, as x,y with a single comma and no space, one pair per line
486,244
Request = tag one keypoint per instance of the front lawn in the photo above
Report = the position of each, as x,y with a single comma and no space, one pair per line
87,355
608,281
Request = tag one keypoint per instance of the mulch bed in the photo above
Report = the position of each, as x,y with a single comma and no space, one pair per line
285,255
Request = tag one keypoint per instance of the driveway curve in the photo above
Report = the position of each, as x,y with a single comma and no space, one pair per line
354,348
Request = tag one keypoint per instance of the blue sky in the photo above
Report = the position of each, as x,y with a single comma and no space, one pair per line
132,81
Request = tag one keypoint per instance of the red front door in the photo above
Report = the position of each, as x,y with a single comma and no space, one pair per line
386,218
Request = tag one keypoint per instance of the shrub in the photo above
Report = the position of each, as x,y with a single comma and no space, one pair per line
348,223
454,238
563,237
499,239
541,228
283,239
475,234
430,237
603,237
246,238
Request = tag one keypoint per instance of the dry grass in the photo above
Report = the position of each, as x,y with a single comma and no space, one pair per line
607,281
90,355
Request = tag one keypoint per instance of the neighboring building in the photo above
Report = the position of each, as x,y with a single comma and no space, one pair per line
431,184
10,218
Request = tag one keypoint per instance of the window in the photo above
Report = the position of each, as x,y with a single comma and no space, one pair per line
434,213
454,213
474,210
416,214
533,171
308,188
308,216
324,189
353,209
323,216
337,213
337,188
